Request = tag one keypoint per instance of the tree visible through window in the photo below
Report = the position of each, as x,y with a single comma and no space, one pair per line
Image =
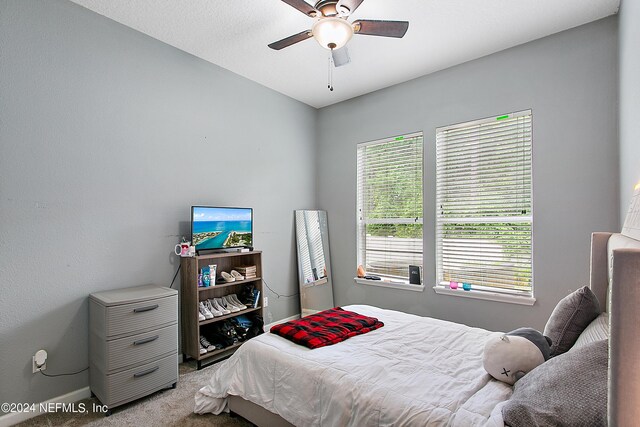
484,204
390,205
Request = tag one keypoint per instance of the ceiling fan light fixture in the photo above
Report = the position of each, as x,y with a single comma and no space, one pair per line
332,33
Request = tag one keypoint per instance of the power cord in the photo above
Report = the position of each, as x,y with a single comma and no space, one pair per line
62,375
277,294
174,276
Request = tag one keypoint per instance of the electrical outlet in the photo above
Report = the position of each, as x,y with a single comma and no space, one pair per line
266,301
39,361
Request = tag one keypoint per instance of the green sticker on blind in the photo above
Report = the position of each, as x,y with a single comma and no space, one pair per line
400,138
506,116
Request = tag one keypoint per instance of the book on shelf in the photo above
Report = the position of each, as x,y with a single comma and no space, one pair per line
248,271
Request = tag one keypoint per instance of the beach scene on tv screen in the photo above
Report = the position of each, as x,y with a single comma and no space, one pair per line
215,228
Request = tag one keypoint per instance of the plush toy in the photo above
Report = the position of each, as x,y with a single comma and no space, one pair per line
509,357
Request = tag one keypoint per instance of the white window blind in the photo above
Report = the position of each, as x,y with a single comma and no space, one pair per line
484,204
389,207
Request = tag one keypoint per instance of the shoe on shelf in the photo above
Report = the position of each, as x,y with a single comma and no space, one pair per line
217,303
229,305
213,309
201,316
227,277
204,343
234,299
205,311
237,275
230,301
232,308
203,350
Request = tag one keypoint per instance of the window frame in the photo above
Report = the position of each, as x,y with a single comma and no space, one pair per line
387,280
477,291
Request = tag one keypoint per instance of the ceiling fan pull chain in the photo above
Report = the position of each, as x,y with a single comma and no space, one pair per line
330,71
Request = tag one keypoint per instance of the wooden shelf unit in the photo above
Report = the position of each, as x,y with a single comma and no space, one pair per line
191,295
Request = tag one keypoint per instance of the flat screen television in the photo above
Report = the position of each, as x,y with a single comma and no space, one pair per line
221,228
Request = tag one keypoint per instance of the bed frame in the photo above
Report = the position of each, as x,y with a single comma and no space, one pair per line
615,260
255,413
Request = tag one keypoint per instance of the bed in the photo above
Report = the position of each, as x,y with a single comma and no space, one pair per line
414,370
378,378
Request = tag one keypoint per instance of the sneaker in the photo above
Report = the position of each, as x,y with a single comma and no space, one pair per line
231,304
237,302
237,275
203,350
212,308
201,317
204,343
221,306
205,311
227,277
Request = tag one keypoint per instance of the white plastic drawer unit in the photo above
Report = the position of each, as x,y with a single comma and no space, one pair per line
133,342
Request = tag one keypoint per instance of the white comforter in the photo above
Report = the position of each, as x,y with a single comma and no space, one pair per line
414,371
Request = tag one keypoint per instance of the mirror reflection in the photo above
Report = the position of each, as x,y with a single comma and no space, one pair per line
316,290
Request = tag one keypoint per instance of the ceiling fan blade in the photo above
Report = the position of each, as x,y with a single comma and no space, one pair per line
302,6
347,7
288,41
381,28
340,56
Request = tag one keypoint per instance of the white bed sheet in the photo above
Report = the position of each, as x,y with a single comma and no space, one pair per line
414,371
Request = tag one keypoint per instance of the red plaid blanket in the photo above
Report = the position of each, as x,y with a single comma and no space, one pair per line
326,327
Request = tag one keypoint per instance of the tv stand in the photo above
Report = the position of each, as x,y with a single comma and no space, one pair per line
191,295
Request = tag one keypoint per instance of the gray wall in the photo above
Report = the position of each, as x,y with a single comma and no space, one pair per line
107,137
569,80
629,101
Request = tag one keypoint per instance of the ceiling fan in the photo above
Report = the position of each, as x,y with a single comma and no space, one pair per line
332,30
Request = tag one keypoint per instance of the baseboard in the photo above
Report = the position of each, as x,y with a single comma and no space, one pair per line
18,417
268,327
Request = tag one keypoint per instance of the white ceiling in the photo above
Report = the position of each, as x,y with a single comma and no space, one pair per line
234,34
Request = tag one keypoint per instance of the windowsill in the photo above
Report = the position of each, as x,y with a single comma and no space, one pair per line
388,284
484,295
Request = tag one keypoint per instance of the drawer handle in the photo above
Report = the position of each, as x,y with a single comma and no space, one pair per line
146,340
147,372
148,308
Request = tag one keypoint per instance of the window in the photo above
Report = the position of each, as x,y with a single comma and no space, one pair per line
484,204
390,205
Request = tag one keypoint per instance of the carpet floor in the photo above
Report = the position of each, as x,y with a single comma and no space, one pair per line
171,407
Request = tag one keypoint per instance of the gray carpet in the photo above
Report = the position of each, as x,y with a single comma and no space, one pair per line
164,408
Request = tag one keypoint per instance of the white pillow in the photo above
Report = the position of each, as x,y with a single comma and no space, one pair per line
597,330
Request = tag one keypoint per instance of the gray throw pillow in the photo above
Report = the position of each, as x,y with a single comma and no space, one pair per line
570,317
568,390
596,331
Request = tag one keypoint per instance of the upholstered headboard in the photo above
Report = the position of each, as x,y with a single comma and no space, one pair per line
615,278
603,246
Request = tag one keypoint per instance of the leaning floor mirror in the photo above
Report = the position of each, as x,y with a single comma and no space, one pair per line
314,266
